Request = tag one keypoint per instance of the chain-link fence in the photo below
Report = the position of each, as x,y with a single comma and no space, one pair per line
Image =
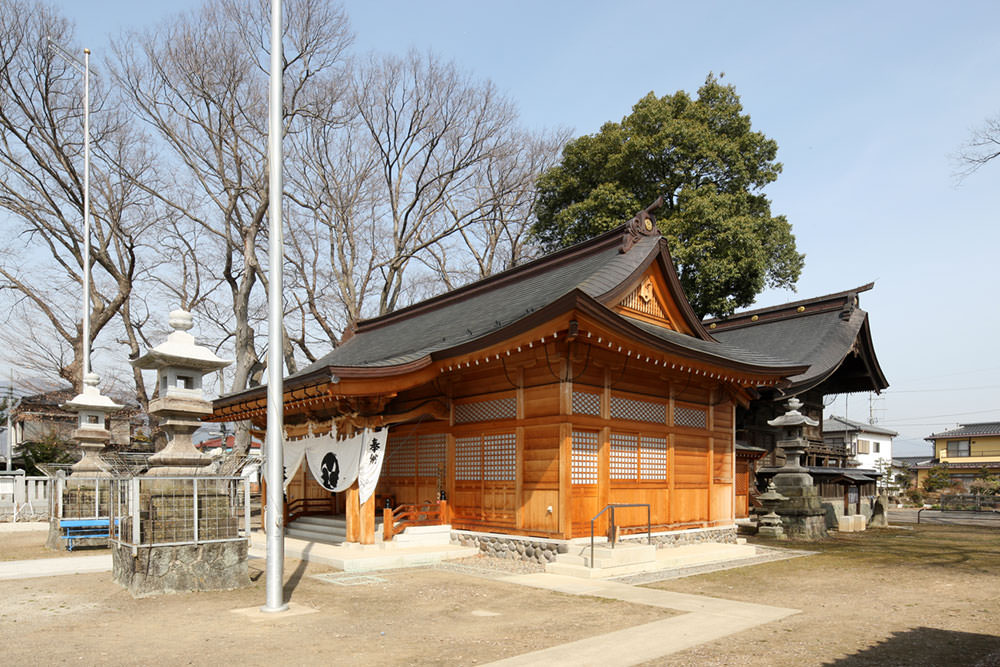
174,511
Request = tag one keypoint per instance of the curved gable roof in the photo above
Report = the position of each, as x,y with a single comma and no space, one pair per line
828,334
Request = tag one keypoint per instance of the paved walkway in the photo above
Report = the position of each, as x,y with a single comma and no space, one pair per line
51,567
704,619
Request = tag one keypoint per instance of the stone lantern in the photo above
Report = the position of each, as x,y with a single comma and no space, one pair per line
91,432
180,365
801,511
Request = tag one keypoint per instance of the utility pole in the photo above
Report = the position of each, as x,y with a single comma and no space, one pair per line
10,432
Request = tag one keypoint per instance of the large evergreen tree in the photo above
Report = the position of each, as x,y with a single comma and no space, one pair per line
703,157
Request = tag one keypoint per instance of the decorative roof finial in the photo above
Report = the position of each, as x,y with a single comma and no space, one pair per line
643,224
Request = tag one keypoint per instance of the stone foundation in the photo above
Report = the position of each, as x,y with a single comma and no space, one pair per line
543,550
515,547
677,538
217,566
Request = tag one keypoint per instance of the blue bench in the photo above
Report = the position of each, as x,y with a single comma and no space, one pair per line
76,529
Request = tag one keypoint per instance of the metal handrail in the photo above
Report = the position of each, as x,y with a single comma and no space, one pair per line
649,530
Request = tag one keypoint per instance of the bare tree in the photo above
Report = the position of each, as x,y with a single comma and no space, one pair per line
982,147
41,188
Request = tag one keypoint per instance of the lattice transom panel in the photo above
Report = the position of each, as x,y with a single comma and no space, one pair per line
643,411
585,403
624,456
690,417
583,462
483,411
432,450
652,458
500,457
401,457
468,459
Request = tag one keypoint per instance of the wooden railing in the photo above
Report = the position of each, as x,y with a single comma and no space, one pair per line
303,506
428,513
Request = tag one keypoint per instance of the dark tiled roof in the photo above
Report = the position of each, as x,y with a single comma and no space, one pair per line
835,424
911,460
820,333
980,428
594,268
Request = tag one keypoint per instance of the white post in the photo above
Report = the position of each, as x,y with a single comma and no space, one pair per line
275,384
195,484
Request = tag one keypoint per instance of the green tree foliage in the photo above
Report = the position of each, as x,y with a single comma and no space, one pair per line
47,450
937,479
710,167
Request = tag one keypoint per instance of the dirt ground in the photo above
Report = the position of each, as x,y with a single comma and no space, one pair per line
400,617
25,546
925,596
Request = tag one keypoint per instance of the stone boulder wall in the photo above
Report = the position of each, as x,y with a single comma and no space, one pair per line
217,566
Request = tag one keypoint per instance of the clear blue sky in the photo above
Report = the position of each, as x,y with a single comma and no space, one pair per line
867,101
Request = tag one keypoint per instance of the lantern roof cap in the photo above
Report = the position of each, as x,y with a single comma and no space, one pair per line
180,349
91,398
793,417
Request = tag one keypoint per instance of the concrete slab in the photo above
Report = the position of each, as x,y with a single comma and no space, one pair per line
364,558
707,619
51,567
257,614
23,526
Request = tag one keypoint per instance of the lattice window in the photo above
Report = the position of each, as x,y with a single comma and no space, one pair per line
401,457
624,456
690,417
483,411
643,411
432,450
583,461
468,459
499,457
585,403
652,458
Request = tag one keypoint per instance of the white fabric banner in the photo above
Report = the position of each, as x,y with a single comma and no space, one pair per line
334,463
292,452
371,463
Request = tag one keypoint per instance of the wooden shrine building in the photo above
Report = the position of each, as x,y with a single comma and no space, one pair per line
534,398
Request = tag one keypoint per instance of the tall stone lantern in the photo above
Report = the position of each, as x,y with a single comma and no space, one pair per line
180,365
801,511
92,409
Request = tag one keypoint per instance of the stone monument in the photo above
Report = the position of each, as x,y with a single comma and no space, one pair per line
769,522
802,513
181,534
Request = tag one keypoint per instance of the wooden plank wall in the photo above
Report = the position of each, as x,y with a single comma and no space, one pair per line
542,500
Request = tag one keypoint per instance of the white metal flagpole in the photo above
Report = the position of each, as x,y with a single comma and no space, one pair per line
275,384
86,216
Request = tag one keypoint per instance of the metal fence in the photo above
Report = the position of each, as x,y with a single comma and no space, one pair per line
79,497
970,502
175,511
24,498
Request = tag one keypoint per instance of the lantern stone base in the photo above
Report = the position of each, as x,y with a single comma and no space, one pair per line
802,514
217,566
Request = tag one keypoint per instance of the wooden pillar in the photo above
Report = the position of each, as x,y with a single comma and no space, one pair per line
367,512
353,513
565,480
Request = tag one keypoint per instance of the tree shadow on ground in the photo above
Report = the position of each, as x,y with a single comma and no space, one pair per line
928,646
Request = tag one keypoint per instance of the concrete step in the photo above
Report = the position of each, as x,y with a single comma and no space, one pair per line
690,555
326,536
607,556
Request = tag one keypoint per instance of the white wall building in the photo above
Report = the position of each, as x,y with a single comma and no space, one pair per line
866,443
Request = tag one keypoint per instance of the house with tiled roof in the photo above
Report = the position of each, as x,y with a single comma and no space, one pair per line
869,444
965,451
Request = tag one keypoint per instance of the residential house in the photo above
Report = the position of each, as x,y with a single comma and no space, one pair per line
870,445
966,451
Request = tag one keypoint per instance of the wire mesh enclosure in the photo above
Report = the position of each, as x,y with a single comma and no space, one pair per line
176,511
81,498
